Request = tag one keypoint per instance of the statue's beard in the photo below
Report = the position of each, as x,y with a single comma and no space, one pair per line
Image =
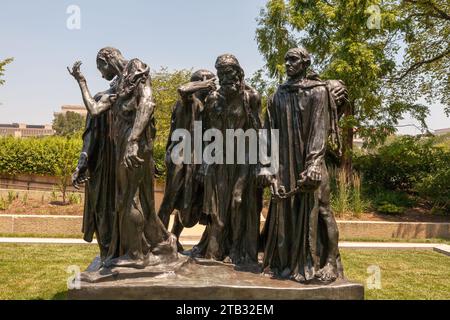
231,88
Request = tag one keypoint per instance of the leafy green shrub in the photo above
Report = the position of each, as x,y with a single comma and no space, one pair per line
165,88
56,156
3,204
397,198
68,157
42,156
418,166
435,187
159,154
389,208
75,198
12,196
402,163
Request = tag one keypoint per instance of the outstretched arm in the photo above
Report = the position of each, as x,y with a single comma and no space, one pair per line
191,87
94,107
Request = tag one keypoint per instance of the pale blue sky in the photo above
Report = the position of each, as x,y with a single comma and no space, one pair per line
173,33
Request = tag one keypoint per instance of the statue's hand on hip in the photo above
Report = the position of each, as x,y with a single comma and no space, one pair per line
131,158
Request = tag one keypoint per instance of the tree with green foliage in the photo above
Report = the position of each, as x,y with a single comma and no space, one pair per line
165,92
68,148
265,86
69,124
3,63
426,66
357,41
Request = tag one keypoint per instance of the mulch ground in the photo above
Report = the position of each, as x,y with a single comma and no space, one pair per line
45,203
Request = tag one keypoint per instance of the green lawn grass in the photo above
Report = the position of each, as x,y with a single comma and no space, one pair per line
405,274
80,236
399,240
36,271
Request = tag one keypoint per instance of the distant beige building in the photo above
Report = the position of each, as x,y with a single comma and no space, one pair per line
21,130
72,108
440,132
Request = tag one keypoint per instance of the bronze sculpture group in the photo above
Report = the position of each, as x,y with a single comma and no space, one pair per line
299,240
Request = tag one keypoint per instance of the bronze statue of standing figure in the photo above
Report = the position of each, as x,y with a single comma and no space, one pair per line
183,191
138,237
232,200
300,235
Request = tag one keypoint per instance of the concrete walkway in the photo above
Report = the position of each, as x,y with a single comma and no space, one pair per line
438,247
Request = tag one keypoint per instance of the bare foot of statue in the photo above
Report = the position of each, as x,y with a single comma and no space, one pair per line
168,247
328,273
267,272
286,273
125,261
228,260
194,253
298,277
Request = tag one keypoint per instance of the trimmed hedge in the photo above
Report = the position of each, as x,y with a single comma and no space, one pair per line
42,156
53,155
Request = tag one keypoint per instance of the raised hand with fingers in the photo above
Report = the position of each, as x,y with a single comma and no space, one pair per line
340,94
76,72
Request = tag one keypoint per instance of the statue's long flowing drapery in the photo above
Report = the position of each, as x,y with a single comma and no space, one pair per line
294,235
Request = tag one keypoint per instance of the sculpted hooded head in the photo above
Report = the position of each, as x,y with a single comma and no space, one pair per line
110,62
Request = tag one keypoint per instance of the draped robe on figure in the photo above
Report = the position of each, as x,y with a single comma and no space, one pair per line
99,202
294,237
231,194
137,228
183,191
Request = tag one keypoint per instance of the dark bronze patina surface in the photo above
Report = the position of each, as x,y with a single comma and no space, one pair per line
209,280
138,256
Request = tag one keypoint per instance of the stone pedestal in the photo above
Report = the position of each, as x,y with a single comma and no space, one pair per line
204,280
